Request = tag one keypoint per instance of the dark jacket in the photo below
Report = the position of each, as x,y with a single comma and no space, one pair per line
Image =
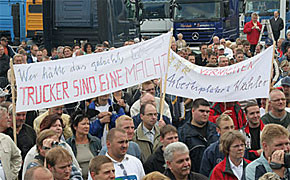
137,120
276,26
191,176
195,142
155,162
211,157
223,170
95,144
4,65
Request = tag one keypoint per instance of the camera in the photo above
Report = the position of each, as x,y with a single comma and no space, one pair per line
287,160
54,144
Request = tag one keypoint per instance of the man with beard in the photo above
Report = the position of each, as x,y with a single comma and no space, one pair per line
198,133
178,163
277,114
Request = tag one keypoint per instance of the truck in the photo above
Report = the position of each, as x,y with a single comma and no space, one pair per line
21,20
155,17
67,22
200,20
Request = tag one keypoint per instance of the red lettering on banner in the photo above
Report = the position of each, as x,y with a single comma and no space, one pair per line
140,70
157,65
119,77
146,68
38,100
58,91
92,79
113,79
23,90
85,86
44,94
76,87
130,72
51,92
64,88
30,93
102,83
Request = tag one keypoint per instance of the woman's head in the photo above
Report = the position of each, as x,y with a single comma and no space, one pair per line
285,65
232,143
80,124
88,48
53,122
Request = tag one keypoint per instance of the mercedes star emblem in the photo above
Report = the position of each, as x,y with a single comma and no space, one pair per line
195,36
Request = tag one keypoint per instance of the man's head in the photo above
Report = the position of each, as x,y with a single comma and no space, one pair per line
147,98
149,87
1,50
4,41
221,50
39,56
67,51
286,86
276,14
224,123
254,17
179,36
191,58
216,40
200,112
277,101
223,61
203,48
18,59
223,42
246,46
239,55
60,52
126,122
38,173
33,50
59,162
117,143
4,119
232,143
99,48
148,114
103,100
212,58
274,137
168,135
259,48
252,111
20,119
102,168
176,156
56,110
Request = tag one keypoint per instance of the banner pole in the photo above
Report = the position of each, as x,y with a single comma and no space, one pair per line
162,96
271,76
13,101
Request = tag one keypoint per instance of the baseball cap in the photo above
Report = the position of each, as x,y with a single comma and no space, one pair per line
285,81
221,47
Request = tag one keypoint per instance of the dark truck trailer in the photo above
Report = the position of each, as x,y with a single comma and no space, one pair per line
67,22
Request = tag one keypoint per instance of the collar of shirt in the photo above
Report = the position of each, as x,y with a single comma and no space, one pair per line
126,158
145,130
237,170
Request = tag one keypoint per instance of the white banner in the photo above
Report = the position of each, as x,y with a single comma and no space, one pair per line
53,83
242,81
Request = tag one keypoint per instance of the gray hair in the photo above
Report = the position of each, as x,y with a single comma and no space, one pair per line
222,56
2,109
172,148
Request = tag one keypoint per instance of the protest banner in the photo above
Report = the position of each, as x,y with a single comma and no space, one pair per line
242,81
53,83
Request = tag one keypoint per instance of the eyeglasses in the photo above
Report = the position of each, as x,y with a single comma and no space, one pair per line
124,170
238,145
151,114
278,100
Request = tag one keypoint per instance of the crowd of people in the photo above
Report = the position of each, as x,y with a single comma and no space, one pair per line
124,135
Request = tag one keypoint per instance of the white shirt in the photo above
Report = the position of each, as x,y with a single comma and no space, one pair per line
237,170
130,165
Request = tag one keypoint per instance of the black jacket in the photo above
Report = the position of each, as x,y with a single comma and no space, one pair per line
155,162
196,143
191,176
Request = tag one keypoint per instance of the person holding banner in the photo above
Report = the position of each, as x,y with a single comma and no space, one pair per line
104,112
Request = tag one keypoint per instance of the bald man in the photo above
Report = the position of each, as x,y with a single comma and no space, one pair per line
38,173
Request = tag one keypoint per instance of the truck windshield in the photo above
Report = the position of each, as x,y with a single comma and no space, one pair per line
197,10
155,9
262,6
